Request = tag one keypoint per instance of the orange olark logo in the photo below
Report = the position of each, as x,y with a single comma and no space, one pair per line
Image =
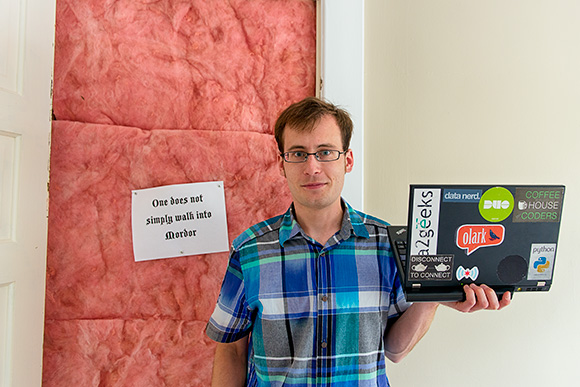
473,236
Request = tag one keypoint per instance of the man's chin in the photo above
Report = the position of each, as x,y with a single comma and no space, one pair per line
318,204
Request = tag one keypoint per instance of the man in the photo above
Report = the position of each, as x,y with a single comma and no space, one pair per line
312,297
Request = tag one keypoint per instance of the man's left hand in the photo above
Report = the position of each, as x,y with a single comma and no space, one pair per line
478,297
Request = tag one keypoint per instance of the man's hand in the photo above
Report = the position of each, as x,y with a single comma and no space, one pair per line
478,297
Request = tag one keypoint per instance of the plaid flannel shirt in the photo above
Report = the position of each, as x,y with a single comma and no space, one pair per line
317,314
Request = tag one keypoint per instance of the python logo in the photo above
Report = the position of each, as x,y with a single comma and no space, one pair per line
541,264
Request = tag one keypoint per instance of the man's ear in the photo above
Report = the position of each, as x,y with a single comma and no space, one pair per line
348,160
281,166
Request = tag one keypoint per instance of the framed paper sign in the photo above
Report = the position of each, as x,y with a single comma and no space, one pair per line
179,220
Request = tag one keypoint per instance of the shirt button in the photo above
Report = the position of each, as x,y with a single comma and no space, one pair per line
324,298
323,345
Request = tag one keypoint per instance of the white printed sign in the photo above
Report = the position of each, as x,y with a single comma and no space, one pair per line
178,220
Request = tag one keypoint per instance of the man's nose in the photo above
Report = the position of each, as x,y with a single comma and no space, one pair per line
312,165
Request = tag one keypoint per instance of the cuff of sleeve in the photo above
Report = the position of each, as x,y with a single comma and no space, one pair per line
223,337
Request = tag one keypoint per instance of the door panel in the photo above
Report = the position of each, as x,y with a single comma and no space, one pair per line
26,62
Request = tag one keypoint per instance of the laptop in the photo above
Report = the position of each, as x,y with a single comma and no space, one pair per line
503,236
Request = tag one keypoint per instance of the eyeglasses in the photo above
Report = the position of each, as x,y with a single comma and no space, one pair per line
324,156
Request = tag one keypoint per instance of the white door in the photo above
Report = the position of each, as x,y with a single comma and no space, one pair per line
26,62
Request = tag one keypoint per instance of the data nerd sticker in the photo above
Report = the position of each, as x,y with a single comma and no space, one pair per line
461,195
471,237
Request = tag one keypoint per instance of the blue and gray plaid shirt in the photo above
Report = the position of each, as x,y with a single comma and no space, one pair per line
317,314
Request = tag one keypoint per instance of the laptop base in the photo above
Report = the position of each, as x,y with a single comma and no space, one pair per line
450,295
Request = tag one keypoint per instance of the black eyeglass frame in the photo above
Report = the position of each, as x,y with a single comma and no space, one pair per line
315,154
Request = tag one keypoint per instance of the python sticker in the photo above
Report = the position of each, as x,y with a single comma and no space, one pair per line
496,204
541,263
473,236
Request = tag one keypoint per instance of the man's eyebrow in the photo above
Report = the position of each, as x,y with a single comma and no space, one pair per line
296,147
320,146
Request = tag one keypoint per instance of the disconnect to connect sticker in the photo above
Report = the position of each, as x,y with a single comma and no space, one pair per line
430,267
424,229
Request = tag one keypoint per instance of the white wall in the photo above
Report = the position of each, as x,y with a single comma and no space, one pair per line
483,92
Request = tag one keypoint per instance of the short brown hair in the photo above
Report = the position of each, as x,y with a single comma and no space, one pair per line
304,115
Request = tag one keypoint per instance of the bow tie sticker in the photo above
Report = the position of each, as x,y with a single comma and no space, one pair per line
462,273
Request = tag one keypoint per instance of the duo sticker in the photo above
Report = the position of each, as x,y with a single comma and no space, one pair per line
496,204
471,237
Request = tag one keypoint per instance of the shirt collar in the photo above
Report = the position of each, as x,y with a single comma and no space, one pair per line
289,227
352,223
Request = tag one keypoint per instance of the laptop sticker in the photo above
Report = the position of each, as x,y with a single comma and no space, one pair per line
463,273
538,204
461,195
424,231
541,262
471,237
431,267
496,204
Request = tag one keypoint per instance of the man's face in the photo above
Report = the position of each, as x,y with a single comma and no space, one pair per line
313,184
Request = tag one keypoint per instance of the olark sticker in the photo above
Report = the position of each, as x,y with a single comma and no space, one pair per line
473,236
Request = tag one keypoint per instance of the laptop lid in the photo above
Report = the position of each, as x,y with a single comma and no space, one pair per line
503,236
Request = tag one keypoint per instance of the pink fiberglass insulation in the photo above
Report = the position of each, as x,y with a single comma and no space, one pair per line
146,94
210,65
91,271
111,321
127,353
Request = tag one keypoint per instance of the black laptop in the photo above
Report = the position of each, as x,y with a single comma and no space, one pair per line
503,236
